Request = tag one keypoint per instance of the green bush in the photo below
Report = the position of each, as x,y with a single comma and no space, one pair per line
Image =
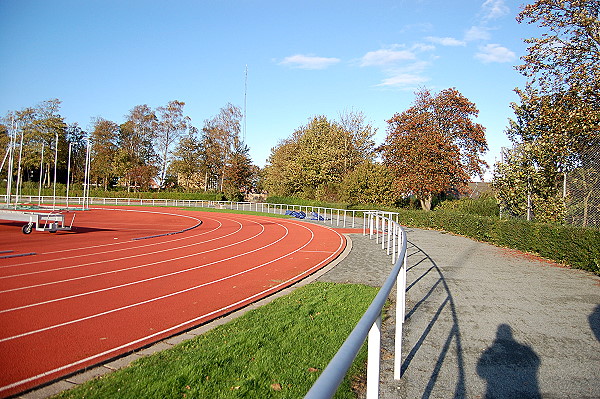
485,206
304,202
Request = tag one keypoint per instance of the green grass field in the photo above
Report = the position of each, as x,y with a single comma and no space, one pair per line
275,351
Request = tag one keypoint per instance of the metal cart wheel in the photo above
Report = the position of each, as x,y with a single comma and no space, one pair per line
27,228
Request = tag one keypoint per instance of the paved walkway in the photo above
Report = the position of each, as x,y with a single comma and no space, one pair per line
485,322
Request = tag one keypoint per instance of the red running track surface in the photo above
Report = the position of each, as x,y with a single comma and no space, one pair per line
96,292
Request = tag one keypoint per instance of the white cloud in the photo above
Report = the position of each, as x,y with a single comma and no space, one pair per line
309,61
445,41
401,65
477,33
423,47
408,77
495,53
404,80
492,9
386,57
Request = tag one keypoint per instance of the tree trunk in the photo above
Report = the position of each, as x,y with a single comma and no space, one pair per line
426,202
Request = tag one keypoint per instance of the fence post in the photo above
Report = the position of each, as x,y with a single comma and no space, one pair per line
383,232
373,360
389,236
400,312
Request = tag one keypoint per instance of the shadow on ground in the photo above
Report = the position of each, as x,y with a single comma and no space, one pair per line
435,294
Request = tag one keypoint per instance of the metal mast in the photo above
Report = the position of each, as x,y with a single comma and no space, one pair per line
245,95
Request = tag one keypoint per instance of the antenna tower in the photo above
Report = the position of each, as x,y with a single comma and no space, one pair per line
245,95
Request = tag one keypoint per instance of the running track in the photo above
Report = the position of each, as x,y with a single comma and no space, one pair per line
89,295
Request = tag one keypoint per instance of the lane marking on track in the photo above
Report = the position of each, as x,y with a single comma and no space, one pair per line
156,298
173,328
129,257
130,283
167,234
117,259
146,265
17,255
128,242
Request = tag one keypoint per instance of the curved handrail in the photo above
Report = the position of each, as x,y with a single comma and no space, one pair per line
329,381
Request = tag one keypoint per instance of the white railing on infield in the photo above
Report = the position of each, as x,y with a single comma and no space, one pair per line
347,218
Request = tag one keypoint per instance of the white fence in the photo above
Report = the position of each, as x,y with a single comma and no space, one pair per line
379,225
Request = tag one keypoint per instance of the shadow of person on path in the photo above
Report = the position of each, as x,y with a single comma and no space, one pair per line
509,368
594,320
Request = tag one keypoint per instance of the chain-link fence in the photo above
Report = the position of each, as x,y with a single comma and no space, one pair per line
582,189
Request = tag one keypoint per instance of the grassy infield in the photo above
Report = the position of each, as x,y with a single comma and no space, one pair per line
276,351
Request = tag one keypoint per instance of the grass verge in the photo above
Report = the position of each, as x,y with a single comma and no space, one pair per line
276,351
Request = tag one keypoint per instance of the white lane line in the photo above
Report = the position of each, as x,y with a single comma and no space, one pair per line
143,280
156,298
113,260
170,329
116,243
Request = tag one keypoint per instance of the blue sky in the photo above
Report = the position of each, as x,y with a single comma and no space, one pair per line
304,58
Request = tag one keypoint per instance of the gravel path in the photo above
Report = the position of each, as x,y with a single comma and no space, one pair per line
484,322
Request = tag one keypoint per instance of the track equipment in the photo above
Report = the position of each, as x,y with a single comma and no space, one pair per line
43,221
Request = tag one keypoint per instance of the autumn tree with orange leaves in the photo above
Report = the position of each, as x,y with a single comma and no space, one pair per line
434,146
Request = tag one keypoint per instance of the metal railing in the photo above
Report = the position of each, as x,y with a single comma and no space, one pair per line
377,224
350,218
393,237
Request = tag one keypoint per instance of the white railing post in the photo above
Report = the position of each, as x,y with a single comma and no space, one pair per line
389,236
394,236
383,232
400,314
373,360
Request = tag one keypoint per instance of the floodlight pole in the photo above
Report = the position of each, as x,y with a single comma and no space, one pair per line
55,162
86,178
69,173
19,178
41,176
245,96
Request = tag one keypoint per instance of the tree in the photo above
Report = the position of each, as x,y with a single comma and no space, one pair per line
103,138
562,94
524,189
239,173
369,183
172,124
553,135
38,127
558,117
189,162
282,176
583,200
219,135
313,162
77,139
136,160
359,146
567,57
136,138
434,146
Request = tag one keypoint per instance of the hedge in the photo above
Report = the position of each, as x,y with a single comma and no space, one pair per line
305,202
574,246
